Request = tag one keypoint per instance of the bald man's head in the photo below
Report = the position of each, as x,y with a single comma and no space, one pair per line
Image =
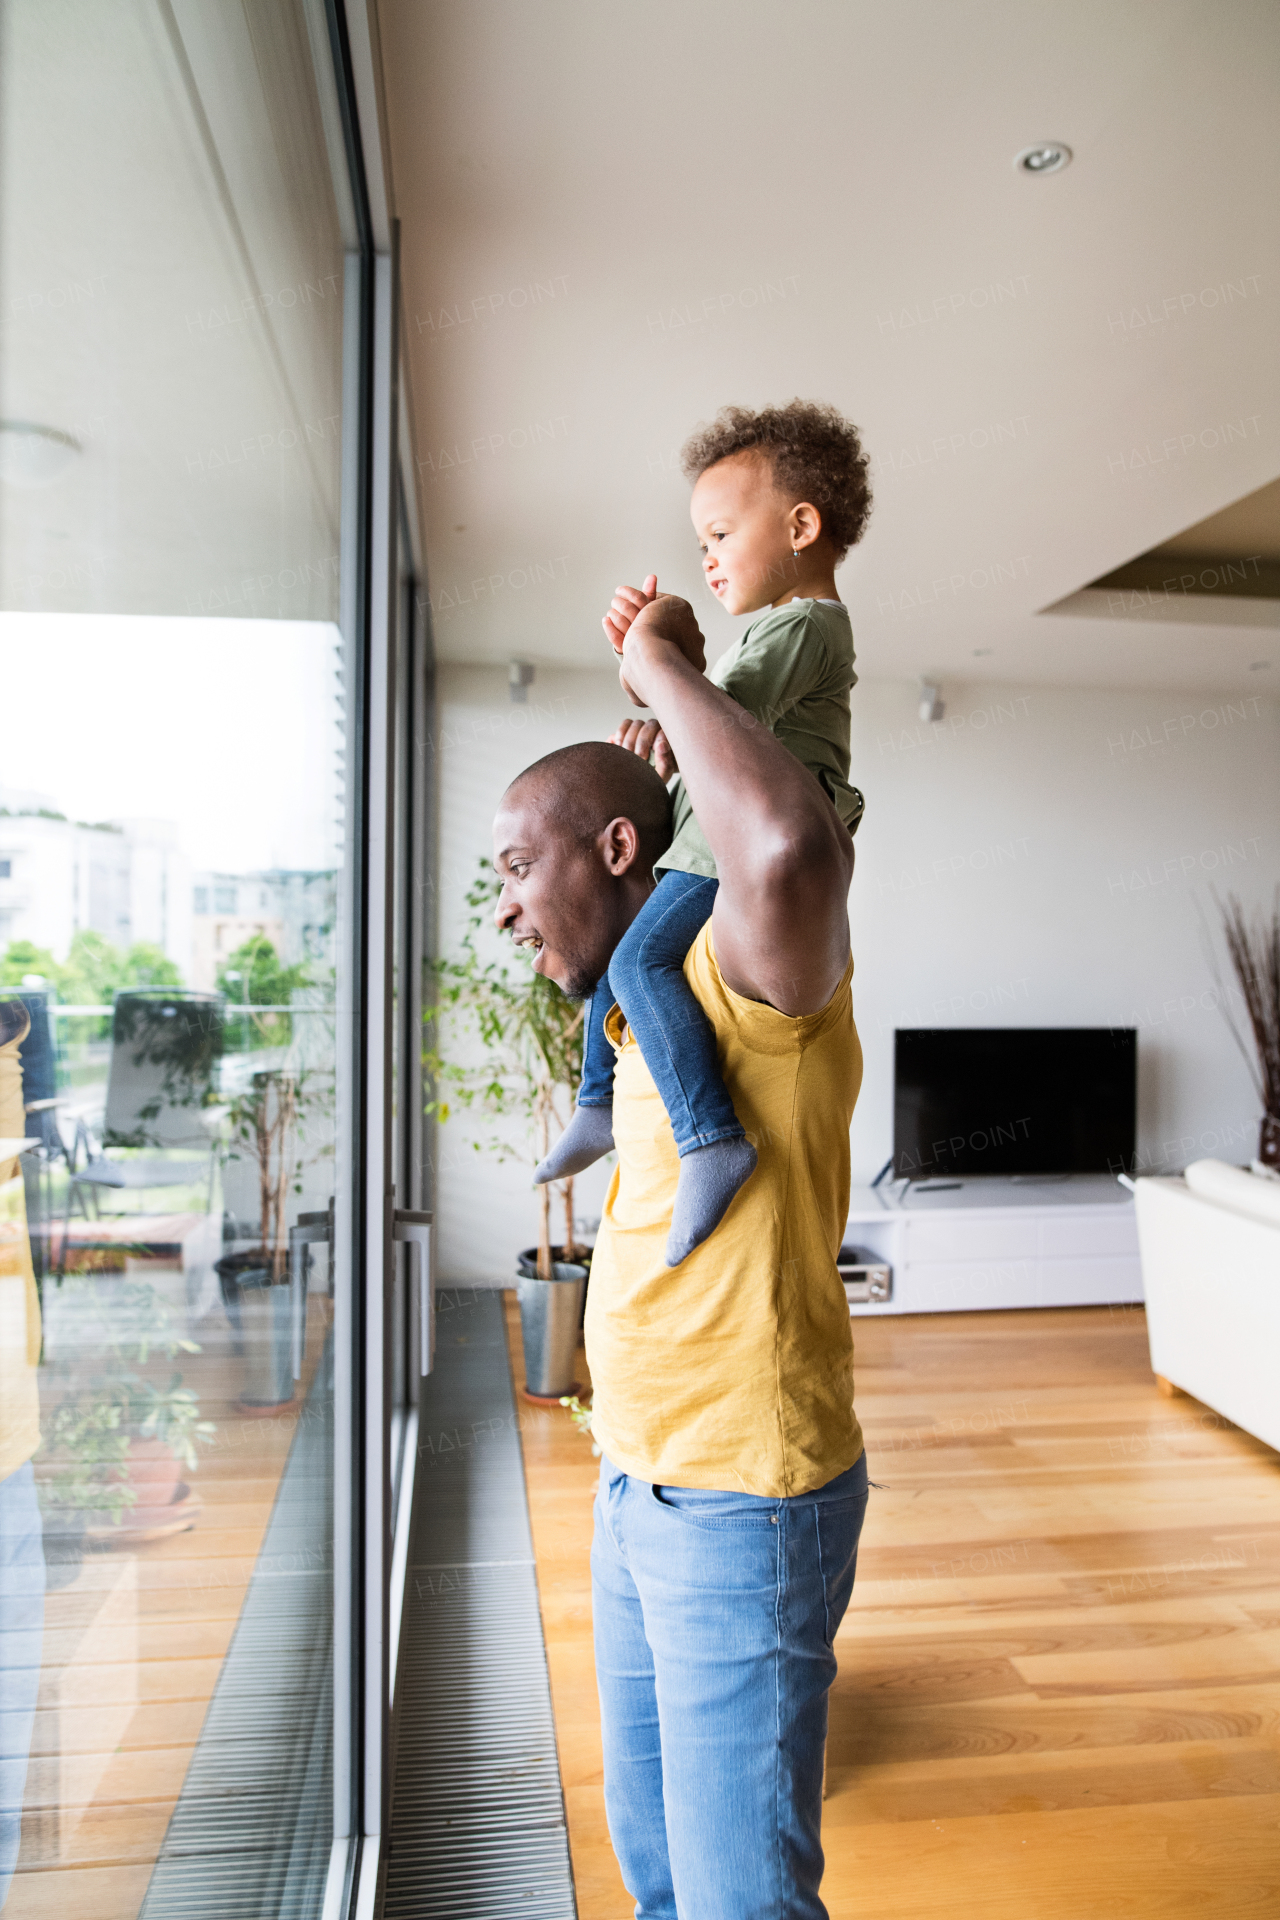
575,840
585,786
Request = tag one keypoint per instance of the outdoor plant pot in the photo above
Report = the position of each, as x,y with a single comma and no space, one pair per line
550,1311
263,1320
165,1503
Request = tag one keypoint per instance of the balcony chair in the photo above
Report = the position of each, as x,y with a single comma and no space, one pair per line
159,1128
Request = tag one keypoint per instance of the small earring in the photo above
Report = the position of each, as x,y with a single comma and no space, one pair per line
795,553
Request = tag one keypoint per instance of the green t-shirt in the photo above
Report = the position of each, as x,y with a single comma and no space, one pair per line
792,668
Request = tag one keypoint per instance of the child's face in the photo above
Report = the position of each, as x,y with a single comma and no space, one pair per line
746,532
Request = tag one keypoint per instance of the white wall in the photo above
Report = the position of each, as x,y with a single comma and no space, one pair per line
1042,858
1037,858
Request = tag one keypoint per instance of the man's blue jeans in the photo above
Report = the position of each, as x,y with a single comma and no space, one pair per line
22,1581
714,1620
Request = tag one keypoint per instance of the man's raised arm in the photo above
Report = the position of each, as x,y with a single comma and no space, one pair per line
784,857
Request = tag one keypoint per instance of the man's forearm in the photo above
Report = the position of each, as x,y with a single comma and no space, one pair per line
755,802
783,857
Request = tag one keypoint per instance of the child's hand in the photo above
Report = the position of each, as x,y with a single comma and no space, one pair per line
626,604
646,738
665,618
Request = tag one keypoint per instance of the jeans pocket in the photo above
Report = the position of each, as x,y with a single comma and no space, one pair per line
839,1525
718,1512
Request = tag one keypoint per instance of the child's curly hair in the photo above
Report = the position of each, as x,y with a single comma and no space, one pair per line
815,453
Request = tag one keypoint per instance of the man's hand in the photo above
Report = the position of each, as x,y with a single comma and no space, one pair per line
646,738
625,605
665,622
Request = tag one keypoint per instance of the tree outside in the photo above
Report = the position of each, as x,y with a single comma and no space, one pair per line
254,976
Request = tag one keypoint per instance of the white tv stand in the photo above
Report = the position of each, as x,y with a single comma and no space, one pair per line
969,1245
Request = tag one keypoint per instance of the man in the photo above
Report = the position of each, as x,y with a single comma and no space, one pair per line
22,1568
733,1484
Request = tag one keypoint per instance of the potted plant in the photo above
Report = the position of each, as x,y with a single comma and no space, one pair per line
525,1039
530,1034
263,1122
1255,955
118,1442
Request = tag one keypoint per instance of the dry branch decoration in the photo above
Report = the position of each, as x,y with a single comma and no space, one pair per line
1254,947
530,1034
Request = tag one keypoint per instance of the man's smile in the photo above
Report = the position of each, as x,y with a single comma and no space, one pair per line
533,940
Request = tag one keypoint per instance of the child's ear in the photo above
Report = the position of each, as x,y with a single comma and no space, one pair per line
805,523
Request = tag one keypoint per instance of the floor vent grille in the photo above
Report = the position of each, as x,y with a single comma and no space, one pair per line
477,1826
250,1836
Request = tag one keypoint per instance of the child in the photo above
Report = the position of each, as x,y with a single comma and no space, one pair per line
779,497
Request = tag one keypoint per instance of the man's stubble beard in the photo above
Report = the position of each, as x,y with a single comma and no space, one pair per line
582,982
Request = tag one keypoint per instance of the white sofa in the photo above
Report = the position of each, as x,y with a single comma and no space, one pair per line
1210,1247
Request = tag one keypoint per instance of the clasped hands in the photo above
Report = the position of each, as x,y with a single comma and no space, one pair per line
669,619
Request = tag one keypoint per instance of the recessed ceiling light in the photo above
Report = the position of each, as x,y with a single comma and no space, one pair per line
32,456
1050,156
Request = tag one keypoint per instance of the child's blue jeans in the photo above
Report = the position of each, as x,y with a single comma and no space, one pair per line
646,978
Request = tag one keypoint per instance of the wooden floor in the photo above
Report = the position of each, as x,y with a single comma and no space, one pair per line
132,1650
1059,1688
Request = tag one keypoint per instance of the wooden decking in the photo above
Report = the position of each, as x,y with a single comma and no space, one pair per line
1059,1689
132,1650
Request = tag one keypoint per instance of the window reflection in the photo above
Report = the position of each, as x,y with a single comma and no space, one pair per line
171,844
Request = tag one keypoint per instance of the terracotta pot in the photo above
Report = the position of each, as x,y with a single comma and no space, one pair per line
165,1503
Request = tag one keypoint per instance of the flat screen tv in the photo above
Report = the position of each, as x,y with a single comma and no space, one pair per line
1013,1100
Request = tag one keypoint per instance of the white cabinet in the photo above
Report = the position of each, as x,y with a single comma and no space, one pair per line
984,1244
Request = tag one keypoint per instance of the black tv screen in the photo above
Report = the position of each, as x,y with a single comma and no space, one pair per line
976,1100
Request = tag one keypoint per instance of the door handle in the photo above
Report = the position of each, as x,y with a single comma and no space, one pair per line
415,1230
310,1228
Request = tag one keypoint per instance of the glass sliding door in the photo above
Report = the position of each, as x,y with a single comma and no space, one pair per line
182,639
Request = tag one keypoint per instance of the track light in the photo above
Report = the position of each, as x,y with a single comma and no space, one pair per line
519,680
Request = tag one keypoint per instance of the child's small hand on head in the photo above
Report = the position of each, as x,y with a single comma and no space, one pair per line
624,607
646,738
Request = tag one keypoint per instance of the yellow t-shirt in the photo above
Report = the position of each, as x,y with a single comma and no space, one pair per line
19,1301
733,1370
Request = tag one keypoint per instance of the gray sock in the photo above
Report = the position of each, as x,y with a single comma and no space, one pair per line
587,1138
709,1178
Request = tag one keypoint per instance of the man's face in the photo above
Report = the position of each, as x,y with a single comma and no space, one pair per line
742,526
555,897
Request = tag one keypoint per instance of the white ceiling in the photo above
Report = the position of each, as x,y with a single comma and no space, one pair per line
748,202
172,272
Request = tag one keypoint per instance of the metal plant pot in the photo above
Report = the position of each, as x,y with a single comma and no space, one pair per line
549,1315
527,1268
263,1320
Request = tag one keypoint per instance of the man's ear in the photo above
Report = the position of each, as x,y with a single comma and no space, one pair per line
804,523
619,845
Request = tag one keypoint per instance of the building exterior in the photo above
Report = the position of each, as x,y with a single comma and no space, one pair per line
294,909
125,879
